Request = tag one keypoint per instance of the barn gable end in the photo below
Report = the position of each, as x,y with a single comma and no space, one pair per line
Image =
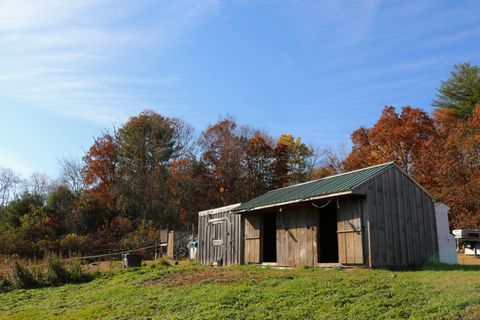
400,218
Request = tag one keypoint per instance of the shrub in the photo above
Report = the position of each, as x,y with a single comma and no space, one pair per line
56,272
24,278
5,284
77,274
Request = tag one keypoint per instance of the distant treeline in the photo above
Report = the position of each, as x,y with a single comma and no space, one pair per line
154,172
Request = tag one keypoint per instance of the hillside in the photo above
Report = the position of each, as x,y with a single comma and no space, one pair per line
246,292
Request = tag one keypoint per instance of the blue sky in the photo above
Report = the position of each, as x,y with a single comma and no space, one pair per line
315,69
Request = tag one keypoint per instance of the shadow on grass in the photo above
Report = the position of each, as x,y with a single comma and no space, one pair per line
435,266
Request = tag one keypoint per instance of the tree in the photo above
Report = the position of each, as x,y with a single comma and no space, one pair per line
39,184
326,162
21,206
101,168
184,137
62,203
72,175
292,160
394,137
146,145
223,152
9,182
450,168
185,192
460,93
259,161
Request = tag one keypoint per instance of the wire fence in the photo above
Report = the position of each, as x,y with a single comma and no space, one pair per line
97,256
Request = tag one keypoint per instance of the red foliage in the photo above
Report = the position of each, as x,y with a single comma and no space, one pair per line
101,168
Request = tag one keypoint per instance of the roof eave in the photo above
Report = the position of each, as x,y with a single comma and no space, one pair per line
326,196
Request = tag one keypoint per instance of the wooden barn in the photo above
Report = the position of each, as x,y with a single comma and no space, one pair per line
376,217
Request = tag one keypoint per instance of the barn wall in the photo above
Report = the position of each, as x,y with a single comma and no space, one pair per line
401,221
297,227
231,250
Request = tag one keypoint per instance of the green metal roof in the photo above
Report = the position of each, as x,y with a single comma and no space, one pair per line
341,183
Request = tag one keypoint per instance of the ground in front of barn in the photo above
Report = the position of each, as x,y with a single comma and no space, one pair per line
249,292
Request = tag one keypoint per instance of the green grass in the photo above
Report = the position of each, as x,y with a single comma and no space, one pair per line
246,292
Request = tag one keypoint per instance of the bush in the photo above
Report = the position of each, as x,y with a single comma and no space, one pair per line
5,285
56,272
77,274
24,278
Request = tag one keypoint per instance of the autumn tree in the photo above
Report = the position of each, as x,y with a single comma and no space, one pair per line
186,192
223,149
399,137
460,93
291,163
101,168
259,159
451,166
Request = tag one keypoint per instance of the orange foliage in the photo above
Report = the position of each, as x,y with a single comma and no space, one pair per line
101,168
441,152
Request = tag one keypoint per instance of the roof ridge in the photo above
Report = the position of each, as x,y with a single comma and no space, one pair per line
335,175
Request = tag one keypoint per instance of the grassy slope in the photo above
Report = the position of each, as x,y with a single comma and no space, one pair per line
247,292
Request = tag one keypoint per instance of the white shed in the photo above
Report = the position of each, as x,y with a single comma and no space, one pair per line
446,241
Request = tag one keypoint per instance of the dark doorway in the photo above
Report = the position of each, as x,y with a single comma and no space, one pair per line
327,240
269,244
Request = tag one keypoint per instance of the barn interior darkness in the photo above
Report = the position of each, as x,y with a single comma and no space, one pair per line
269,245
327,240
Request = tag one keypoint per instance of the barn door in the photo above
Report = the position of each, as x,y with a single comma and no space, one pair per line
252,238
349,232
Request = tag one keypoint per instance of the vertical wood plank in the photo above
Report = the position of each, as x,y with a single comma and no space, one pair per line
372,224
395,219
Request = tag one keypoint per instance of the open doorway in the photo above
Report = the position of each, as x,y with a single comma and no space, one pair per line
327,240
269,243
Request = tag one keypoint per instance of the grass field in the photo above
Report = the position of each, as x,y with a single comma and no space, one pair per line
247,292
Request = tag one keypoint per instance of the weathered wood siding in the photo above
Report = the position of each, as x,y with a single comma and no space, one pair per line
252,238
400,218
297,235
349,230
220,240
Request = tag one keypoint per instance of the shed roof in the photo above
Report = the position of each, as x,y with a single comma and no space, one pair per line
218,210
339,184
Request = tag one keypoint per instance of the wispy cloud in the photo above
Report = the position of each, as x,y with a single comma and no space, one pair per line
67,56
